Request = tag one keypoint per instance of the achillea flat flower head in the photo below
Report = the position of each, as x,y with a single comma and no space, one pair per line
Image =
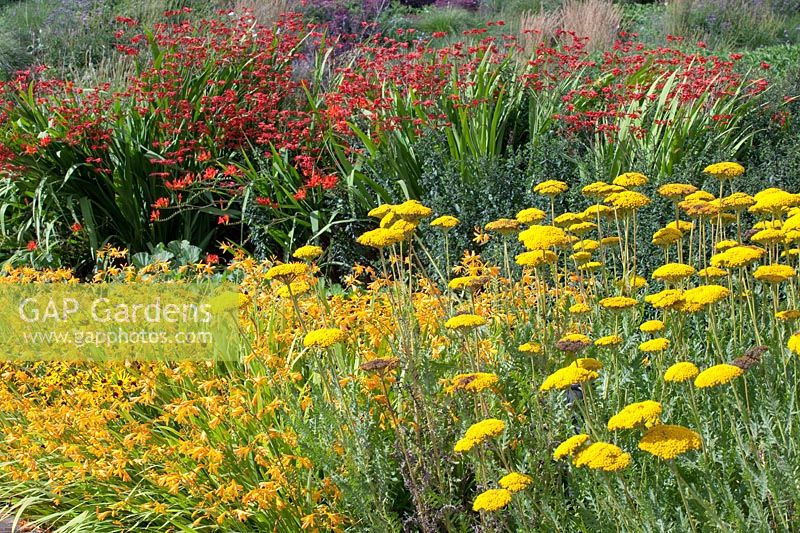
665,299
464,322
504,226
295,288
307,252
699,298
630,180
659,344
598,189
543,237
628,200
323,338
472,382
712,273
774,273
381,238
479,432
794,343
737,201
680,372
668,441
666,236
717,375
515,482
287,271
602,456
651,326
536,258
579,309
616,303
550,188
531,216
646,413
445,222
491,500
608,340
468,282
789,314
568,376
676,191
530,347
570,446
412,210
573,342
673,272
725,170
380,211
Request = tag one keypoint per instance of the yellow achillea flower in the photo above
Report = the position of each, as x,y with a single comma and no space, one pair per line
673,272
381,237
651,326
588,363
773,202
536,258
598,189
465,321
586,245
579,309
676,191
789,314
323,338
738,201
630,180
608,340
581,257
597,210
412,210
591,266
668,441
682,371
566,219
515,482
768,224
646,413
665,299
531,215
794,343
774,273
628,200
699,298
658,344
296,287
609,241
445,222
472,382
380,211
479,432
666,236
581,227
491,500
768,236
550,188
570,446
683,226
307,252
725,170
712,272
568,376
530,347
602,456
504,226
287,271
618,302
721,246
573,342
466,282
717,375
543,237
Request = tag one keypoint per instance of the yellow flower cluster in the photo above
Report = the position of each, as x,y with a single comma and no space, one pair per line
478,433
323,338
465,321
717,375
646,413
669,441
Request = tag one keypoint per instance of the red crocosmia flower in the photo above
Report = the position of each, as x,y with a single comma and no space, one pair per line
212,259
31,246
76,227
155,215
210,173
203,156
765,65
265,202
300,194
224,220
44,141
161,202
30,149
329,181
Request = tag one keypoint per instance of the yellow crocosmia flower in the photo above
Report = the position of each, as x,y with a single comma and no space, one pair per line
668,441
